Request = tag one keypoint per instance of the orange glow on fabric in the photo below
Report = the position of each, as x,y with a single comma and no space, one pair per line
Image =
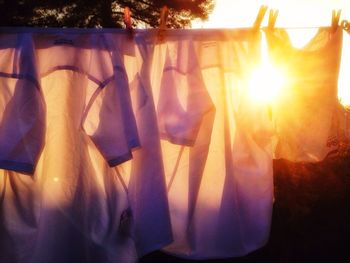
266,81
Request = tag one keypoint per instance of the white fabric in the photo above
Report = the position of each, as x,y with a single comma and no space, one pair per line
218,148
22,122
119,132
182,99
147,188
76,207
307,113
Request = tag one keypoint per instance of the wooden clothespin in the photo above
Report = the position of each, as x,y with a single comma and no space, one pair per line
272,18
128,22
335,19
164,12
345,24
260,17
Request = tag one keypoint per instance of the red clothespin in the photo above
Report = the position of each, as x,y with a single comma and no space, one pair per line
164,12
335,19
260,17
272,18
128,21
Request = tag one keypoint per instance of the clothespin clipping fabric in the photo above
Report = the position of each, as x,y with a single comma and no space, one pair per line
345,24
163,22
260,17
335,19
272,18
128,21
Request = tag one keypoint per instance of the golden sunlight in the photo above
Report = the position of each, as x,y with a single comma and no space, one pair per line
292,14
344,76
266,83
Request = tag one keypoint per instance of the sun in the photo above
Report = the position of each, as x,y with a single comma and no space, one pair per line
266,83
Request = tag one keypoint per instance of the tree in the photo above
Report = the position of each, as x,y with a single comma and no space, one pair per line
100,13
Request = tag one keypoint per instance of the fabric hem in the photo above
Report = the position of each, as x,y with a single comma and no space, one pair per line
156,247
120,159
17,166
134,143
177,140
213,256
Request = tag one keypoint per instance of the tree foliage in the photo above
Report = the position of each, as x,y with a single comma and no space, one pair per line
100,13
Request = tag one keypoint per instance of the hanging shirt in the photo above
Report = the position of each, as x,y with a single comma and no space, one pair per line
22,114
217,144
77,207
307,110
22,131
145,173
22,123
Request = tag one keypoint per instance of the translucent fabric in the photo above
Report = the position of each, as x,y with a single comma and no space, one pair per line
146,187
113,147
77,206
308,114
22,124
183,99
217,144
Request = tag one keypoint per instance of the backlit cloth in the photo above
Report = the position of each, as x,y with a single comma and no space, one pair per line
147,186
67,115
308,117
113,147
216,143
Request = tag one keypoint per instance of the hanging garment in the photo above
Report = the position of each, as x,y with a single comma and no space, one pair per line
22,129
306,113
340,129
21,103
183,98
217,144
76,207
145,173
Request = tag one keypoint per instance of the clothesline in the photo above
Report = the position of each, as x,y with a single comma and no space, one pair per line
185,96
273,14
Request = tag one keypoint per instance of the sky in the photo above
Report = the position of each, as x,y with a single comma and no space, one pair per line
292,13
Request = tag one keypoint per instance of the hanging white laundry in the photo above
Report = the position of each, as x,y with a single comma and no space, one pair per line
19,216
76,207
339,138
218,144
182,99
306,112
22,123
22,131
145,173
86,102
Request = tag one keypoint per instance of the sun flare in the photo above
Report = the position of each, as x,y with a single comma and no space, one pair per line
266,83
293,14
